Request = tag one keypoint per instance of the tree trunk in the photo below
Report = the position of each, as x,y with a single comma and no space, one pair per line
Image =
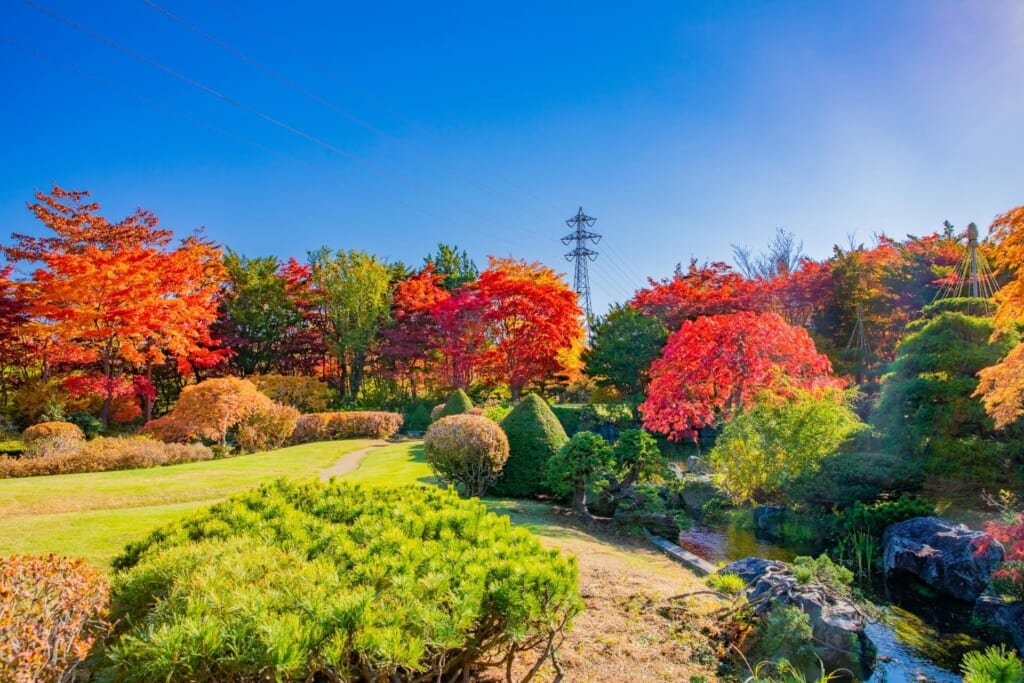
355,377
579,502
515,392
108,396
147,400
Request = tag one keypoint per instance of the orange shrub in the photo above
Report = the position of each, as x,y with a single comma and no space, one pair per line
167,429
106,453
308,428
52,610
52,438
307,394
363,425
355,425
266,429
435,412
210,409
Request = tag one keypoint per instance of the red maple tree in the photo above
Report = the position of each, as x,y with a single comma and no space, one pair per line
712,366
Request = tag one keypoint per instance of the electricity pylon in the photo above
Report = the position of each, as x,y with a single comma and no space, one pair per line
581,253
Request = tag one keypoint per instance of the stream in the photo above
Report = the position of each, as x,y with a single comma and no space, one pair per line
921,636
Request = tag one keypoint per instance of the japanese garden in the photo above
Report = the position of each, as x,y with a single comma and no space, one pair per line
312,371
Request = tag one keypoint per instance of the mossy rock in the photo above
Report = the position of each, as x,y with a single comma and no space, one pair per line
456,404
534,435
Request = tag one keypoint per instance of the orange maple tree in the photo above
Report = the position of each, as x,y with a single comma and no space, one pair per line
532,318
115,296
714,365
1002,386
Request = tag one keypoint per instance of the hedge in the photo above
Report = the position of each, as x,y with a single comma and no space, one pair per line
330,581
103,454
354,425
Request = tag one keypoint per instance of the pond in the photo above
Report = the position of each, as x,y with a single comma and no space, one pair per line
921,636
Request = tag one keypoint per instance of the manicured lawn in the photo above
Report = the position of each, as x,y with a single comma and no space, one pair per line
400,463
93,515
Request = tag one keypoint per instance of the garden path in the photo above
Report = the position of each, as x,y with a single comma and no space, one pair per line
349,461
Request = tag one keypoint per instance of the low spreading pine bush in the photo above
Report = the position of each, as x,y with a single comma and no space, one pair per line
315,581
52,610
993,665
366,424
466,451
52,439
103,454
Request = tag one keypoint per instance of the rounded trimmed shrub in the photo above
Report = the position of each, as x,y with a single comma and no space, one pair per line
456,404
534,436
466,451
267,428
52,438
330,581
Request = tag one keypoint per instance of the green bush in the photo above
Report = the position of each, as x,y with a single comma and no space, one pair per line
824,571
534,436
497,413
576,466
785,634
993,665
456,404
874,518
594,417
728,584
87,422
637,457
313,581
417,419
762,450
845,478
466,451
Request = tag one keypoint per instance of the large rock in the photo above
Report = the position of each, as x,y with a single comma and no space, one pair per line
837,623
695,492
948,557
697,465
1004,617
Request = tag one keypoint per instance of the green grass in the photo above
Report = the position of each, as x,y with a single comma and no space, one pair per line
93,515
401,463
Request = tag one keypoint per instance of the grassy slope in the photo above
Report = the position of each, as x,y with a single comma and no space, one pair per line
93,515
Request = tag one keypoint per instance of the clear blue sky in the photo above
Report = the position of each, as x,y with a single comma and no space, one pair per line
684,127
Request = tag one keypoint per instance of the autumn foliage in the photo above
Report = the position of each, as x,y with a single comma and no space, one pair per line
211,409
714,365
52,610
365,424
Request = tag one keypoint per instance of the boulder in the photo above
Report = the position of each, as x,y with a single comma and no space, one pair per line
697,465
1001,616
948,557
836,622
694,493
768,522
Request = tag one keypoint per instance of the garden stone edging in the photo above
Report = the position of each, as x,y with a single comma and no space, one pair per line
941,554
836,622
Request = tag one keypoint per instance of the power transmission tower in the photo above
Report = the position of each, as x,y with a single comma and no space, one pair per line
581,254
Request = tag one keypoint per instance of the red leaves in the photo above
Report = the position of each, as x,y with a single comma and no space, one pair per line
714,365
711,289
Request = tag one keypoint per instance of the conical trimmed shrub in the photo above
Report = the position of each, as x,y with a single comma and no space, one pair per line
534,435
456,404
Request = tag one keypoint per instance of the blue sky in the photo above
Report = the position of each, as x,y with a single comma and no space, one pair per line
683,127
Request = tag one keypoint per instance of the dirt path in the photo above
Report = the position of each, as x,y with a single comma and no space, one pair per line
623,635
349,461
